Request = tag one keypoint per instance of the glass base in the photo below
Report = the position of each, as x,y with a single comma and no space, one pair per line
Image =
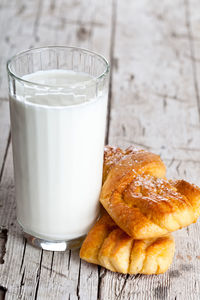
53,245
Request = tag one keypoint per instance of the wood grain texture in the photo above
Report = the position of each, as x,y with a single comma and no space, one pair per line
154,48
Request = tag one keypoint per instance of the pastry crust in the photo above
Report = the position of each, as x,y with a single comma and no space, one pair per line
140,199
107,245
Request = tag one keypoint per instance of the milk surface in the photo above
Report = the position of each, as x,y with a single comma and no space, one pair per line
58,142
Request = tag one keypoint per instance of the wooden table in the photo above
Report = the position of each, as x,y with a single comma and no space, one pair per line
154,50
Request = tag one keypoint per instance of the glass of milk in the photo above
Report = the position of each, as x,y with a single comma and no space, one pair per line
58,104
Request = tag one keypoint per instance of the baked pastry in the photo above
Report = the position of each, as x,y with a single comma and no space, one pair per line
107,245
140,199
144,162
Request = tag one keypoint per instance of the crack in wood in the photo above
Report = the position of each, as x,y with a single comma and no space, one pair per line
123,286
127,277
164,104
123,130
37,21
187,149
63,22
177,35
21,10
112,45
3,291
183,160
3,240
78,283
52,5
171,163
23,255
170,97
100,278
178,166
99,283
192,53
52,259
22,282
54,272
69,259
5,156
38,276
82,23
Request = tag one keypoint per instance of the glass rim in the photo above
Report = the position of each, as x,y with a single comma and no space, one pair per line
37,49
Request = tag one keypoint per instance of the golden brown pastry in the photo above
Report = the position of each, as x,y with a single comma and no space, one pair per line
140,199
107,245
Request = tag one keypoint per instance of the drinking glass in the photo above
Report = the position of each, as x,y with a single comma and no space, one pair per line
58,106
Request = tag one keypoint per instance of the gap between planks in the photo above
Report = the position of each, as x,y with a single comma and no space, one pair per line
192,52
111,54
112,45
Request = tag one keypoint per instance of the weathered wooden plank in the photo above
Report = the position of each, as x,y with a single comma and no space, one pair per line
29,273
155,89
16,35
154,105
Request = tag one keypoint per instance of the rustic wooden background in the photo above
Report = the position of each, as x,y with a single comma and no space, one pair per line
154,50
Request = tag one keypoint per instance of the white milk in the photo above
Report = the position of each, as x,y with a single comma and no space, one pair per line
58,143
